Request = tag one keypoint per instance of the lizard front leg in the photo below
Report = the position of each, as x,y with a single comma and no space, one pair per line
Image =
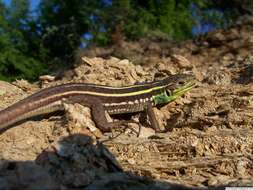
152,118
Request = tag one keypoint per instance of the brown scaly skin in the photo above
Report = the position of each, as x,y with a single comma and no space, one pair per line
114,100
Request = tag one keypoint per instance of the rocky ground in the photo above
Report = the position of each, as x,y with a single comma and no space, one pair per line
208,142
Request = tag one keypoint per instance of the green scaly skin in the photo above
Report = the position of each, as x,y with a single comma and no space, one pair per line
165,98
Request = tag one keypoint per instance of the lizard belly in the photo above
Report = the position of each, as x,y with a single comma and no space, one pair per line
120,109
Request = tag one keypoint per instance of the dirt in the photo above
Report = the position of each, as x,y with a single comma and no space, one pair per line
208,142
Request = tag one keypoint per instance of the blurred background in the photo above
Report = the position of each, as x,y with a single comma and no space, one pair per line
38,37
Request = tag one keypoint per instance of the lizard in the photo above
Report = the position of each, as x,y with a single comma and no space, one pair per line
101,99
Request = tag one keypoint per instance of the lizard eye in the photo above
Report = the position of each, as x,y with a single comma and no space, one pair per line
181,82
168,92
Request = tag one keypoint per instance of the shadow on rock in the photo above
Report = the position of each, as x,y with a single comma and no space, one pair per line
75,162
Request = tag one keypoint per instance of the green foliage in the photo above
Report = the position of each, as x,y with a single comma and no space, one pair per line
158,18
30,46
214,16
15,65
16,60
148,18
135,19
63,23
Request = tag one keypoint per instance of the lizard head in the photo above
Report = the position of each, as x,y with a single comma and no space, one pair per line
182,83
174,86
